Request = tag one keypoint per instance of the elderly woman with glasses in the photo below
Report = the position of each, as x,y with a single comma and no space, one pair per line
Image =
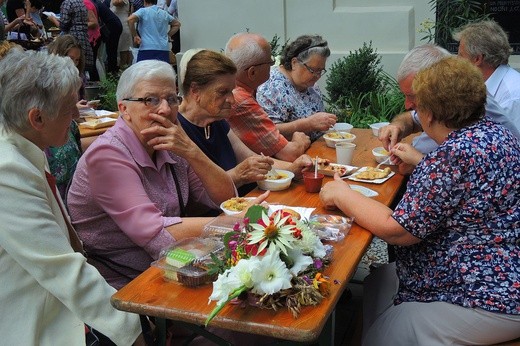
136,184
208,80
290,96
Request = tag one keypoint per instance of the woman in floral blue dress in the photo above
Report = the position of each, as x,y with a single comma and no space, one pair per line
456,279
291,97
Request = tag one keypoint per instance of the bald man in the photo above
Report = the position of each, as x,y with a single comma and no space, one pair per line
251,53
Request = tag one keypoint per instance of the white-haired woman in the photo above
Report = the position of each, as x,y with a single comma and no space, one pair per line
46,281
136,183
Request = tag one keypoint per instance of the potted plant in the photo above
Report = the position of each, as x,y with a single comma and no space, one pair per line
450,15
360,92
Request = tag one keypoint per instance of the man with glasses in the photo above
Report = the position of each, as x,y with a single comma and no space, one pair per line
251,53
290,96
404,124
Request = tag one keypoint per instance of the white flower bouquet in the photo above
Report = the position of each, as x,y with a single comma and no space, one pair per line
277,261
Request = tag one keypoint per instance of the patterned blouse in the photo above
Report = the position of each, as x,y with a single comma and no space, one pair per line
73,21
280,99
63,160
463,201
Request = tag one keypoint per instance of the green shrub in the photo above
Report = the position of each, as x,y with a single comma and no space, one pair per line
354,75
360,92
108,87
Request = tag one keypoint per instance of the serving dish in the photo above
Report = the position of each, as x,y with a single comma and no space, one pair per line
341,127
235,205
284,181
331,138
380,154
377,126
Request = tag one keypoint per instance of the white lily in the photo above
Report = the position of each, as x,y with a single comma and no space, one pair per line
271,274
300,261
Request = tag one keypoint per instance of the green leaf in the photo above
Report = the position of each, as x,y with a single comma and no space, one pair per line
254,213
219,307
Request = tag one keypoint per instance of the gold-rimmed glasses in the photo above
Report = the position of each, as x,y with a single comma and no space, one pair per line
317,73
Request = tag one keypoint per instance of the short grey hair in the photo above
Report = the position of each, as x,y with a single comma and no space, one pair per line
145,70
34,80
302,48
246,54
419,58
486,38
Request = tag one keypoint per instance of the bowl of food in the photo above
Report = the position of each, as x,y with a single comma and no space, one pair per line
380,154
341,127
235,205
332,138
277,183
377,126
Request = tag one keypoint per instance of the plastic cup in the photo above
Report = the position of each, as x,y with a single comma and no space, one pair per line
344,153
312,182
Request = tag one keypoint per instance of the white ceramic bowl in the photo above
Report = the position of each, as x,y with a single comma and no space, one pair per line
242,204
341,127
278,184
331,138
380,154
376,126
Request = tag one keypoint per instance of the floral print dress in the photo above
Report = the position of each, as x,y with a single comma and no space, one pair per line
283,103
463,201
63,160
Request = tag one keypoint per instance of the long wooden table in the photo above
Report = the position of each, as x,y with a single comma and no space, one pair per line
149,294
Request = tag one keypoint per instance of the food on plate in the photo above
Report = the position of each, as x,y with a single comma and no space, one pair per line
339,135
186,262
321,162
278,176
289,212
383,151
179,257
195,274
372,173
236,204
325,166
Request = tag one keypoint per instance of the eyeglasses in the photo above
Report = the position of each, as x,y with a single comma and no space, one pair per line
318,73
153,101
270,63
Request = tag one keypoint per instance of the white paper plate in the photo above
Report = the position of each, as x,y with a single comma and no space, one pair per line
365,191
375,181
